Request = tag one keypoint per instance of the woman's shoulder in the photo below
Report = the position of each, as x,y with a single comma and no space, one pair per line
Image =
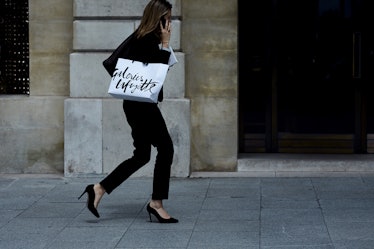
149,38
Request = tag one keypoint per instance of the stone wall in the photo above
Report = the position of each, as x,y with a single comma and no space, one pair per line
70,125
32,127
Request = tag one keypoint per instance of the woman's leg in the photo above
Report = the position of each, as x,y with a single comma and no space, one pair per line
136,115
164,159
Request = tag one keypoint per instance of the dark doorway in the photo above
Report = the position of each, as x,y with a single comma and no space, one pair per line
306,80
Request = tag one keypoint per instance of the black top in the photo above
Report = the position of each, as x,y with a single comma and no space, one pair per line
146,49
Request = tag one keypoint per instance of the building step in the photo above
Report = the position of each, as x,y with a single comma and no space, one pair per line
299,165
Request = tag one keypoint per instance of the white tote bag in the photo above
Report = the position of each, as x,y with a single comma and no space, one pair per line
137,81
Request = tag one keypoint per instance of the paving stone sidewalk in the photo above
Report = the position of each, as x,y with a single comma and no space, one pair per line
43,212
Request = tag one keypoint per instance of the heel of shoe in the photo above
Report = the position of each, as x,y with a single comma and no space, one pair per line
150,216
85,191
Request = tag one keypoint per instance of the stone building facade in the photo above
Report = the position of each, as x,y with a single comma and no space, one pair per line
69,124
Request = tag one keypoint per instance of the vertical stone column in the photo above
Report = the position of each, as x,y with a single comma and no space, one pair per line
97,136
210,44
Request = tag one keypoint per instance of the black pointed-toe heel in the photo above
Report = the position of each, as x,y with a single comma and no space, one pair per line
158,216
90,200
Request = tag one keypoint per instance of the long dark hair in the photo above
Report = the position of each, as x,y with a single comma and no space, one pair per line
152,15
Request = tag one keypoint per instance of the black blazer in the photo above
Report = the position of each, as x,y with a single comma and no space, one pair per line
146,49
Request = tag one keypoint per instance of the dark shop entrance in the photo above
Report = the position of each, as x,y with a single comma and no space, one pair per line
306,76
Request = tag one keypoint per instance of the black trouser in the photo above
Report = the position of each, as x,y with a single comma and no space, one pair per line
148,128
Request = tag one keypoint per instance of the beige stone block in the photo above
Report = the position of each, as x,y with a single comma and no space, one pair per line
177,115
175,37
117,139
51,10
32,150
210,9
31,112
88,77
118,142
220,37
214,134
31,135
49,74
212,74
116,8
44,37
174,86
101,35
108,34
83,137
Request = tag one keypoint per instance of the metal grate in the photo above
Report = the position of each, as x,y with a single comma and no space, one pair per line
14,47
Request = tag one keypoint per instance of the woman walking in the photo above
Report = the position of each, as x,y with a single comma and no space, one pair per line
149,44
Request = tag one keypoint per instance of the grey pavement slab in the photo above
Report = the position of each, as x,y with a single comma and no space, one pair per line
43,212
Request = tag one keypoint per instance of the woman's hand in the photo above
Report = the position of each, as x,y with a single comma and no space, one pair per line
165,33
